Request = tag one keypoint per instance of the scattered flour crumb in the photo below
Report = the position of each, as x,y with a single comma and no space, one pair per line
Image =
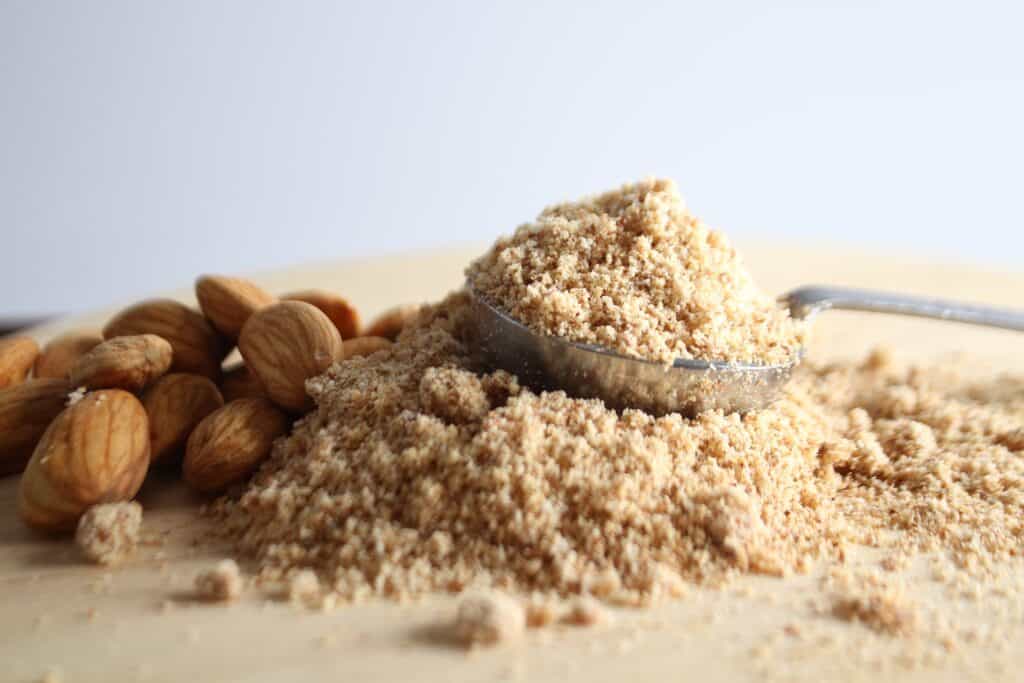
304,588
222,583
110,532
877,603
541,612
75,396
586,611
489,619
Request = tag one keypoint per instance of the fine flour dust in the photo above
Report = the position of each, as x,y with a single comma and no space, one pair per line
420,471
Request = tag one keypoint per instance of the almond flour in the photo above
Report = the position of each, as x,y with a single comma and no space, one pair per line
421,472
108,533
221,583
634,271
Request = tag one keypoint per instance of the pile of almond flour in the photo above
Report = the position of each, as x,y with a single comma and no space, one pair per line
421,472
634,271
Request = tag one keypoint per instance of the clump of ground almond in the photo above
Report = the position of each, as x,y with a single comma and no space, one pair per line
109,533
634,271
421,471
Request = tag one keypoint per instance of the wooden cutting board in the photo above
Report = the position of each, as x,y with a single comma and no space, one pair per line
135,622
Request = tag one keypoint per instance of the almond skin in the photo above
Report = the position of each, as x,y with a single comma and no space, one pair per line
344,316
391,322
17,354
198,348
241,382
128,363
286,344
26,410
229,301
175,404
60,355
96,451
364,346
231,442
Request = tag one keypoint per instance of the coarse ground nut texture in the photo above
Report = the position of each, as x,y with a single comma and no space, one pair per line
109,532
418,473
221,583
632,270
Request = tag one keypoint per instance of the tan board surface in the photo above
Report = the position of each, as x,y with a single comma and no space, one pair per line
135,622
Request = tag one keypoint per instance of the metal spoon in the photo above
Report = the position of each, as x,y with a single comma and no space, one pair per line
687,386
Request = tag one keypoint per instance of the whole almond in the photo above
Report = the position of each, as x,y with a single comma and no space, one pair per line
175,404
241,382
128,363
17,354
26,410
229,301
198,348
59,355
393,321
231,442
287,343
344,316
364,346
96,451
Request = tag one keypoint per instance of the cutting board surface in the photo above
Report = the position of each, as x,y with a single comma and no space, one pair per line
135,621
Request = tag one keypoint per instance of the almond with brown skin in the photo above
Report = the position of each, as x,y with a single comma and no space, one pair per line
287,343
393,321
95,451
229,301
26,410
344,316
231,442
198,348
175,404
128,363
59,355
17,354
241,382
364,346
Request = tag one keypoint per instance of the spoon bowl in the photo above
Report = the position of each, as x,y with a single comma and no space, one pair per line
687,386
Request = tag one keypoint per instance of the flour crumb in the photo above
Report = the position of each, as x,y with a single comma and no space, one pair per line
541,612
876,602
489,619
586,611
108,533
222,583
304,588
75,396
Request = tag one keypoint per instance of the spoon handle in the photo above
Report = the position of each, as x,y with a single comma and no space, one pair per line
807,302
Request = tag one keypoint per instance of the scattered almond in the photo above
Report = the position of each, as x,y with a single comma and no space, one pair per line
344,316
96,451
17,354
229,301
59,355
128,363
198,348
393,321
364,346
240,382
231,442
287,343
175,404
26,410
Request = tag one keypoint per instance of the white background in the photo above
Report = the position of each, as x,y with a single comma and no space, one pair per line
142,143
